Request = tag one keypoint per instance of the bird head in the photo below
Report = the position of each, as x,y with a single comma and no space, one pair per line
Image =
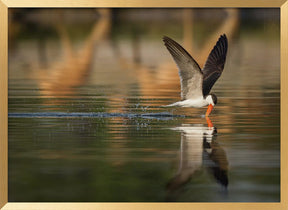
211,99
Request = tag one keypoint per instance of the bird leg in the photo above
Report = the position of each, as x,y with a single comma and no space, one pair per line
209,109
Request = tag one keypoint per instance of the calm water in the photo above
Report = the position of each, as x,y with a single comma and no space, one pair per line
86,121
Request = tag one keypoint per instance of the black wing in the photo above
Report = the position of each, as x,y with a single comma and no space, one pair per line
214,65
191,76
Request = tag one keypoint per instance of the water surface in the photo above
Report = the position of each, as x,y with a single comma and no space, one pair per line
88,124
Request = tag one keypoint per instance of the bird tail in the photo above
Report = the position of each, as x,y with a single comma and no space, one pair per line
171,105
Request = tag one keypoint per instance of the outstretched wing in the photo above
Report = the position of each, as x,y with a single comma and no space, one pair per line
214,65
191,77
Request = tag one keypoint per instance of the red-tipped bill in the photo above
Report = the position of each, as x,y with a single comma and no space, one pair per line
209,122
209,109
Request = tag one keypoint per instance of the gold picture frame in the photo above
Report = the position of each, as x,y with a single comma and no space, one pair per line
6,4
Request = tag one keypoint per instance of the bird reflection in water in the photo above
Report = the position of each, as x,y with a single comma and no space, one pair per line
199,148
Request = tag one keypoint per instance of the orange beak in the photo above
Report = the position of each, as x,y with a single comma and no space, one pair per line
210,124
209,109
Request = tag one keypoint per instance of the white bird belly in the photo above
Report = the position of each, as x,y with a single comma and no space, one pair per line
196,103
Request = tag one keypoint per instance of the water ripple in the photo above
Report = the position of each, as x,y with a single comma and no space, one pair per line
159,116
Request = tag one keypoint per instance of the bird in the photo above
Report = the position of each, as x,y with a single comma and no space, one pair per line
199,147
196,83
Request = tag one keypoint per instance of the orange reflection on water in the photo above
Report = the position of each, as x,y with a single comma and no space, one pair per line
75,66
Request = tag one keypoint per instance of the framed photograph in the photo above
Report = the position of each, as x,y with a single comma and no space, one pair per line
143,105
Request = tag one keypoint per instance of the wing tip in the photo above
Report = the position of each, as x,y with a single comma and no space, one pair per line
221,45
175,48
165,38
223,38
168,41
